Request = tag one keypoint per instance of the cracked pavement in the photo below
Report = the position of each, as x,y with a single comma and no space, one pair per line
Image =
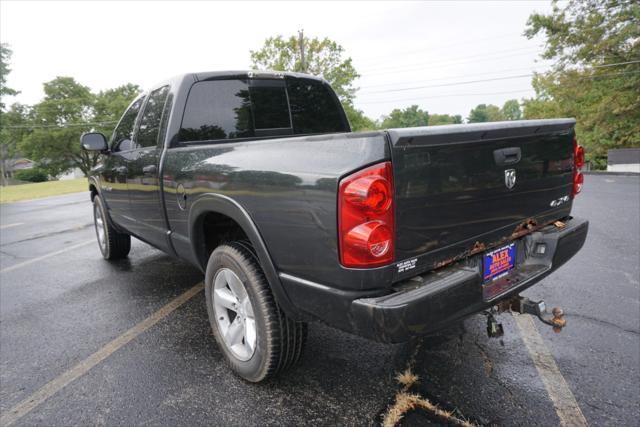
57,311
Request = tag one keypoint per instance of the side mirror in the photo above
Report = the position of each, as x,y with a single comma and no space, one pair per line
94,141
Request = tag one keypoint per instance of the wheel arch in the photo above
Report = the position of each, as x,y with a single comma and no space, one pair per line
218,204
93,188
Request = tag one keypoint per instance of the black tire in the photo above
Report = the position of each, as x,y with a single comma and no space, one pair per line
279,340
114,245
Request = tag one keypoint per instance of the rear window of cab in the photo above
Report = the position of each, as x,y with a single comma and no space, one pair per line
255,108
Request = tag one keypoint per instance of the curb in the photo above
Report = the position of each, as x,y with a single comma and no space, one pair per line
610,173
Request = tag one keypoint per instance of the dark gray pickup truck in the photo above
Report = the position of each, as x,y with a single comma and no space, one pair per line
255,178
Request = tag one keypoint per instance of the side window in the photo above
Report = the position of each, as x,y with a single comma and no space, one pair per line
165,118
217,109
313,108
235,108
122,139
147,135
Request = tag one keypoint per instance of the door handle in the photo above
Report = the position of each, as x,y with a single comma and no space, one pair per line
149,170
507,156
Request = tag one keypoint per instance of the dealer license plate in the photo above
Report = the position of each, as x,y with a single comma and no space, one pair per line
499,261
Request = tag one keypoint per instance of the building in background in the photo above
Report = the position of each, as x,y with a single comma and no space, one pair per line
74,173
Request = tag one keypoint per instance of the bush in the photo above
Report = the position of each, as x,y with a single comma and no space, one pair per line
32,175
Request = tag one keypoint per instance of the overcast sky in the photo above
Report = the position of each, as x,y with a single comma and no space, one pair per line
398,48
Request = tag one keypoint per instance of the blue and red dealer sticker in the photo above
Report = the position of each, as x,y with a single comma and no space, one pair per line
499,261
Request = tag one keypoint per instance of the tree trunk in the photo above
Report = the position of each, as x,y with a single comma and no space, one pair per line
3,178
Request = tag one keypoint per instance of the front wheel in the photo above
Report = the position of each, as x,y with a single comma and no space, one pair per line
113,245
255,335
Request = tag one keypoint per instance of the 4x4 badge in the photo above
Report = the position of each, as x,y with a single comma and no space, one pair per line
510,178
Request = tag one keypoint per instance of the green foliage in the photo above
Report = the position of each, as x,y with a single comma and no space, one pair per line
67,111
444,119
12,131
9,136
32,175
49,132
357,119
511,110
5,56
110,104
586,39
322,57
485,113
409,117
58,121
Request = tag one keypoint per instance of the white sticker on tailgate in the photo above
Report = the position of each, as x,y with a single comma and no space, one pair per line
406,265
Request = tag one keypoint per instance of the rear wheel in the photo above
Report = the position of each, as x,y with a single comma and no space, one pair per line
255,335
113,244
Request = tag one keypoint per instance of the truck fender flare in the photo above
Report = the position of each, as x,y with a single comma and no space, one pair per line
94,182
217,203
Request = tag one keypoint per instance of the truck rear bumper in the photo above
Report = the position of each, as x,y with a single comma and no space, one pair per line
431,301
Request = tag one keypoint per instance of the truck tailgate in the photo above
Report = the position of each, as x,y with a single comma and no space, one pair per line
463,188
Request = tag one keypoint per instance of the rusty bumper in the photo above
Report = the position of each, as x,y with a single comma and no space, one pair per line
431,301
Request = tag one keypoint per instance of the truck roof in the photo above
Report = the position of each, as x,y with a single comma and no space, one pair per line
252,74
226,74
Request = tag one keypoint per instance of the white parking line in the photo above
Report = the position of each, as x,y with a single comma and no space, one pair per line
15,224
57,384
49,255
563,400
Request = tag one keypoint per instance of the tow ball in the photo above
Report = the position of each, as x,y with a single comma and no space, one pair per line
524,305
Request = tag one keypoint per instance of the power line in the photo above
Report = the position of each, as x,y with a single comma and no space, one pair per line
454,77
416,99
496,72
446,96
616,63
66,125
519,76
465,57
485,58
378,59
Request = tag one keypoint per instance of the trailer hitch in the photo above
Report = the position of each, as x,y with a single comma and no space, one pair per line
494,329
524,305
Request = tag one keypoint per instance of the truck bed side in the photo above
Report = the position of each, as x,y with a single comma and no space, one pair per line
288,186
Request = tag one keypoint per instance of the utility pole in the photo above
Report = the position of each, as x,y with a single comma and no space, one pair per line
303,66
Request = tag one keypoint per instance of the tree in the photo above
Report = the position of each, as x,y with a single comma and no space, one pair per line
5,56
357,119
8,134
58,121
68,110
109,105
324,58
595,77
485,113
511,110
409,117
444,119
13,128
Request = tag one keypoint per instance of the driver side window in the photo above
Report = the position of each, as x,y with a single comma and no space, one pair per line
122,139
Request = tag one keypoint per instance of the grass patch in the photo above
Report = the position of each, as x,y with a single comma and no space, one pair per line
15,193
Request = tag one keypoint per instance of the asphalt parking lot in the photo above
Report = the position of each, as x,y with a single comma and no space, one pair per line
72,351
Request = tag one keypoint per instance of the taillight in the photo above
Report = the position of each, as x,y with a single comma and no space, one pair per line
365,217
578,163
578,155
578,180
